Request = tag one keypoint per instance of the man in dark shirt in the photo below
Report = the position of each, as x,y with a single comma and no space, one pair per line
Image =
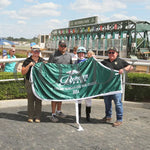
114,62
59,57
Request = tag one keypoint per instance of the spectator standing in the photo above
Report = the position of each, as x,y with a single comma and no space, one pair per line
74,55
29,53
114,62
34,104
10,66
4,53
2,65
91,54
59,57
81,51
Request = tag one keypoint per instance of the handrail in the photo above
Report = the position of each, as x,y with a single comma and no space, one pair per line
140,62
14,60
137,84
6,80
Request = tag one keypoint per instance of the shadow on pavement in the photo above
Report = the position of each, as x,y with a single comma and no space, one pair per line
12,116
45,117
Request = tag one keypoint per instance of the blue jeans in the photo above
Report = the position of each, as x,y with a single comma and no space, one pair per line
118,106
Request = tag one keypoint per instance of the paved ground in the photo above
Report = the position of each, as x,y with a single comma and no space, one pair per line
17,134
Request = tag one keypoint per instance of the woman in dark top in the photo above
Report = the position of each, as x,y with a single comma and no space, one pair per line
34,104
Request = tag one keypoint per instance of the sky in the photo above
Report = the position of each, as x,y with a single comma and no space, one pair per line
29,18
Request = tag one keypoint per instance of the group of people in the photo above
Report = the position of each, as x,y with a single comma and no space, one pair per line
61,56
11,66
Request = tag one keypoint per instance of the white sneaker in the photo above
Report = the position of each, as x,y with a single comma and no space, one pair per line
60,114
54,119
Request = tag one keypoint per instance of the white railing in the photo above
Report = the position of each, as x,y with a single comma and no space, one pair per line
12,60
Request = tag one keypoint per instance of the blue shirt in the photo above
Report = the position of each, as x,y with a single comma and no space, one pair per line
10,67
80,60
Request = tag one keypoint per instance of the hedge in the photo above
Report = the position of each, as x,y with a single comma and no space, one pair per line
12,89
137,93
16,89
10,75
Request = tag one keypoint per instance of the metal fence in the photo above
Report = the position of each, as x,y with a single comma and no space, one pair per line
20,84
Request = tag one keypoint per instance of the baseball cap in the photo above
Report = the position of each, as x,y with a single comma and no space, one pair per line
114,49
62,42
35,48
81,49
32,44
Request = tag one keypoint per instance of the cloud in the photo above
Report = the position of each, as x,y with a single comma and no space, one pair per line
21,22
134,1
96,6
13,14
4,3
41,9
55,24
30,1
117,17
148,7
21,30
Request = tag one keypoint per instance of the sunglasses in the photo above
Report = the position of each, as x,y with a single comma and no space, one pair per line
13,51
111,53
36,51
63,46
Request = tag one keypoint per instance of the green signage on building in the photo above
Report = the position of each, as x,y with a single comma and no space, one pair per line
84,21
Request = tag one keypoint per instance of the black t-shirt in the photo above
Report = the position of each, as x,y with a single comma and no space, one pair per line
27,61
59,58
117,64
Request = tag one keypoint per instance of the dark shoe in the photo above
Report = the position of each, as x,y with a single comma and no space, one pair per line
106,120
117,123
88,118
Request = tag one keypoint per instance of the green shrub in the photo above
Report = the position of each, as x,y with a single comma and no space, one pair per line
137,93
10,75
19,55
12,90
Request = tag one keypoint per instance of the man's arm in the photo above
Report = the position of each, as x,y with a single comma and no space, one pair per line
127,68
